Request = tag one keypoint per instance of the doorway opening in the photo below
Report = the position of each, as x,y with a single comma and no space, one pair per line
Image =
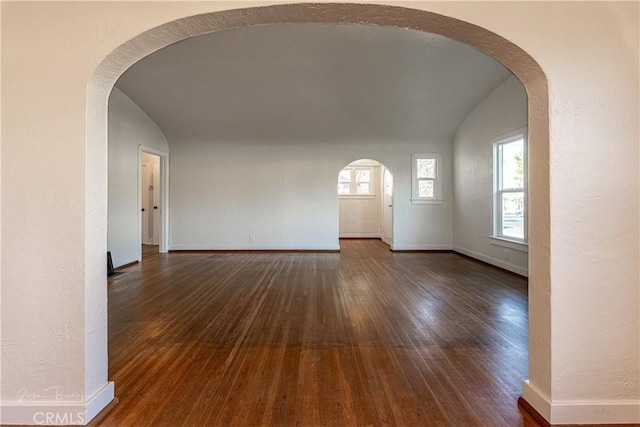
518,61
150,199
365,201
153,219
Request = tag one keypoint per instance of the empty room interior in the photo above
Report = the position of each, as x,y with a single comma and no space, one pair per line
232,213
324,183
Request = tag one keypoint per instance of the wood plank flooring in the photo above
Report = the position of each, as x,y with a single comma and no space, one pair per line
364,337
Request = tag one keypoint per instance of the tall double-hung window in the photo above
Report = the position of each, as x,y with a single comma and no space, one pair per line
510,187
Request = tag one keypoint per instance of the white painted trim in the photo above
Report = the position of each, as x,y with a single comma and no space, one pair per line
421,247
426,201
70,412
516,246
122,261
493,261
164,191
387,241
537,399
99,400
361,235
356,196
582,412
253,247
596,412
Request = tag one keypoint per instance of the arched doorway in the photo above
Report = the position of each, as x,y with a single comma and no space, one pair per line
510,55
365,201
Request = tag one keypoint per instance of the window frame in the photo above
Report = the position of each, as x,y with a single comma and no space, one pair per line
353,183
415,181
496,214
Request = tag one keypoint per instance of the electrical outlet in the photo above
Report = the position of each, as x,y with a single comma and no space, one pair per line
505,254
252,239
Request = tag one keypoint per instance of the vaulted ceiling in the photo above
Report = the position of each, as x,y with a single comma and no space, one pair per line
313,82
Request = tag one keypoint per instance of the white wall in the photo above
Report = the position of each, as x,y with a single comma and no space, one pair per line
362,216
585,328
502,111
129,127
285,194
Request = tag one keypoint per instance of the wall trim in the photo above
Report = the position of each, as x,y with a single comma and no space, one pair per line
493,261
125,261
596,412
361,235
245,248
59,411
563,412
536,399
264,251
129,264
387,241
421,247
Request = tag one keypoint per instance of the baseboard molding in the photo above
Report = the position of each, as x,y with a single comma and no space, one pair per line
420,247
56,412
536,399
253,248
129,264
125,261
595,412
493,261
360,236
265,251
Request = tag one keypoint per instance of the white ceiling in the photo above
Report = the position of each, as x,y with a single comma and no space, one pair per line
312,82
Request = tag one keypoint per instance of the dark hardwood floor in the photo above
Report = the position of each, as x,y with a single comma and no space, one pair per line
364,337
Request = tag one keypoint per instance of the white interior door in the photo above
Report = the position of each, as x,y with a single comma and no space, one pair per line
145,169
387,207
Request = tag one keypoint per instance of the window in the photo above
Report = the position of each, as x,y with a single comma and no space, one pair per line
510,195
426,182
355,181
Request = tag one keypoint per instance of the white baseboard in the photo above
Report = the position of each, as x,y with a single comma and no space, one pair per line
582,412
56,412
253,247
119,262
421,247
537,399
493,261
360,236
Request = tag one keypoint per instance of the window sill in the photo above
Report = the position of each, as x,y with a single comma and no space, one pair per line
511,244
357,196
426,201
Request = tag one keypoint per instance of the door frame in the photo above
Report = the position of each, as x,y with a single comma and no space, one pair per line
383,175
164,199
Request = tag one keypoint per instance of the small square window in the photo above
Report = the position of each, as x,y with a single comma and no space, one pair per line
355,181
426,185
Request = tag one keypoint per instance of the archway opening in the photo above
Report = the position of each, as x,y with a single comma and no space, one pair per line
521,64
365,201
